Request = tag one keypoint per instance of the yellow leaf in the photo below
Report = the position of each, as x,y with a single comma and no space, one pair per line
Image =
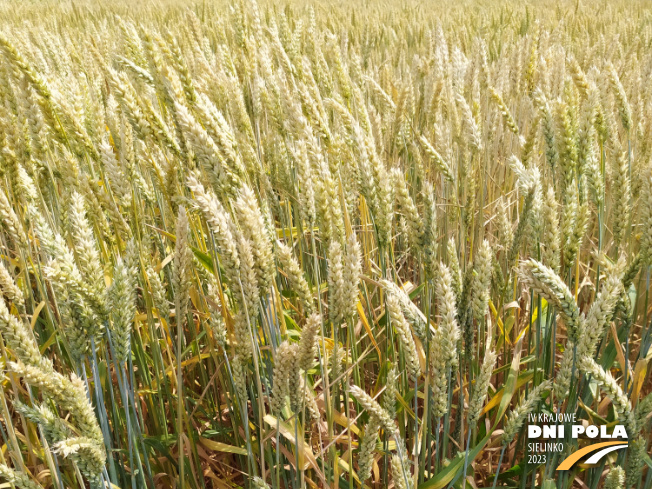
342,420
197,358
624,364
305,455
498,320
37,311
520,335
365,323
526,377
221,447
640,372
48,343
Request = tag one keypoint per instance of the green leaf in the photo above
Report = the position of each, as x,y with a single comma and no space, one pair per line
443,478
204,259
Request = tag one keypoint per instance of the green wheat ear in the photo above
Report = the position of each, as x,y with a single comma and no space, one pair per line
615,479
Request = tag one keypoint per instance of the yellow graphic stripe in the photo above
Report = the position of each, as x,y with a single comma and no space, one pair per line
574,457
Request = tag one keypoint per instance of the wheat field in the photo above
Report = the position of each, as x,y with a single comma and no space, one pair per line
316,245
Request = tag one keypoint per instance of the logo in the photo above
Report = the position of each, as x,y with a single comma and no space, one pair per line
557,433
601,450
